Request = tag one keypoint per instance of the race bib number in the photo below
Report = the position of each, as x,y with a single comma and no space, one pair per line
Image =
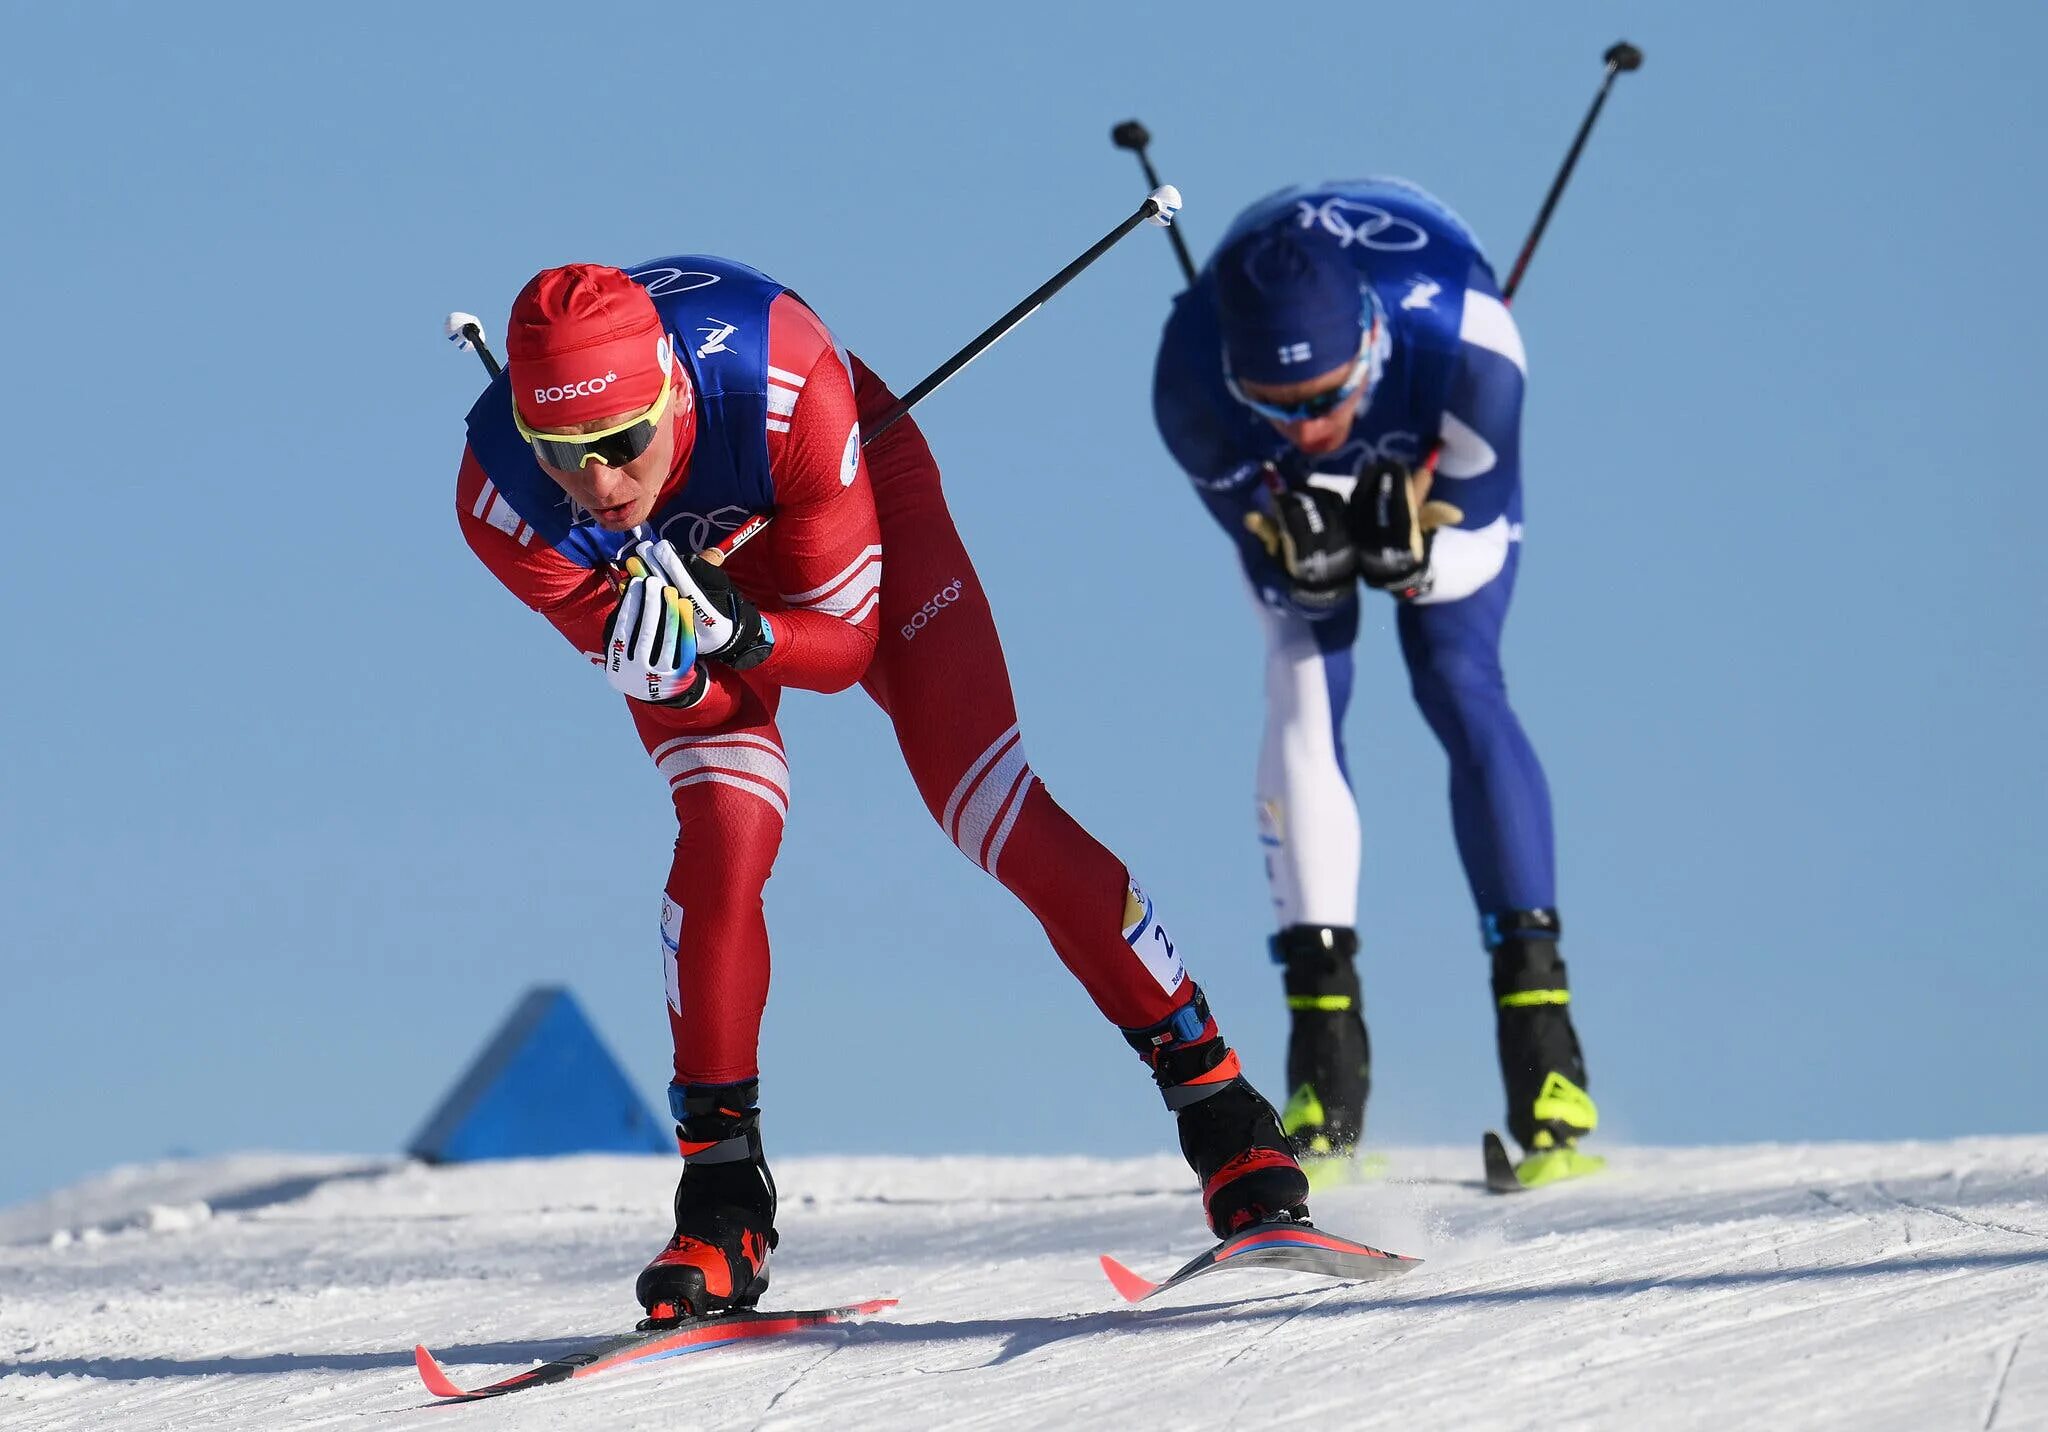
671,951
1150,942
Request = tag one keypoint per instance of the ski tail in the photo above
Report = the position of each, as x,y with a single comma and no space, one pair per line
1500,1169
1504,1175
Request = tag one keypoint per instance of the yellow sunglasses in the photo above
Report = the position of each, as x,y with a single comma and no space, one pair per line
614,446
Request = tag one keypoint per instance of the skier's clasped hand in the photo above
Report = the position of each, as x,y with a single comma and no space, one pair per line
650,645
730,629
1308,534
1394,530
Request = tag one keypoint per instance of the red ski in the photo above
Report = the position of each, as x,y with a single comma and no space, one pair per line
627,1349
1292,1247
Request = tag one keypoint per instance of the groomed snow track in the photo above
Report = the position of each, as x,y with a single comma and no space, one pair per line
1830,1285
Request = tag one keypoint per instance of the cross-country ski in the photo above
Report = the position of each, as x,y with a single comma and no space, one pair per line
916,771
1284,1246
652,1345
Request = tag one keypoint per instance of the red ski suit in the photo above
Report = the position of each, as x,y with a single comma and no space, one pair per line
864,579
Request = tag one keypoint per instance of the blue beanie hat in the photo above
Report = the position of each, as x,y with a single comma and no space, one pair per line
1291,307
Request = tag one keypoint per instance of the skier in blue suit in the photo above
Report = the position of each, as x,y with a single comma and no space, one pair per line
1340,336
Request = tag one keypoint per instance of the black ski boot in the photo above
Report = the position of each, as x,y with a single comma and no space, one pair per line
1540,1062
725,1209
1228,1133
1329,1058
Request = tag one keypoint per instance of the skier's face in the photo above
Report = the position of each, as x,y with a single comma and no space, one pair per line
623,497
1318,435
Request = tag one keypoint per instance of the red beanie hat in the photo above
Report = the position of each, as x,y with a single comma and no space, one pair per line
584,342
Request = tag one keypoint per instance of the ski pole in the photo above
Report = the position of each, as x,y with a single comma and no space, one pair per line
1159,208
1135,137
1621,57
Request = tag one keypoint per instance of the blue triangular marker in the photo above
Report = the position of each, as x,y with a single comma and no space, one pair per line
545,1084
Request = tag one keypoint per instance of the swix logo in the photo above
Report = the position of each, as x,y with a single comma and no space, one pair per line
715,333
1420,292
588,388
1294,353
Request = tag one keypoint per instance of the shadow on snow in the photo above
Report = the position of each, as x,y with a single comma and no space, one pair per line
1022,1336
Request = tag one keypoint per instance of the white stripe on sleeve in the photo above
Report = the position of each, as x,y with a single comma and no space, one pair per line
1487,324
1462,562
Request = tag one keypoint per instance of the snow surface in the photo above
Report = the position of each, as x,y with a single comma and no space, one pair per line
1848,1285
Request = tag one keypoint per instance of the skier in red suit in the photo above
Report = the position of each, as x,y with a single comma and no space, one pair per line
641,417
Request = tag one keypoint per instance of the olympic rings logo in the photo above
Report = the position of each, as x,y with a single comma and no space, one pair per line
704,527
1351,221
661,280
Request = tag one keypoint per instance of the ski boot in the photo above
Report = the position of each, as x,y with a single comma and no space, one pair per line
1228,1133
1329,1058
717,1259
1549,1110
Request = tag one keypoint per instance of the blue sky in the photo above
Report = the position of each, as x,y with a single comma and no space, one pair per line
297,801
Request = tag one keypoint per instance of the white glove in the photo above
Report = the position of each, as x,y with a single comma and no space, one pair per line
714,628
730,629
650,645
